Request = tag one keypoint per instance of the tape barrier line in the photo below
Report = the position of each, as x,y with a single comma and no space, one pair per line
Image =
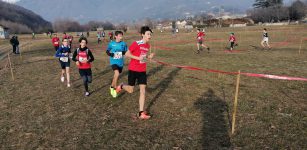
277,77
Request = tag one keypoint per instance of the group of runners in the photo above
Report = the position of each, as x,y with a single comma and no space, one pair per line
232,41
117,50
138,52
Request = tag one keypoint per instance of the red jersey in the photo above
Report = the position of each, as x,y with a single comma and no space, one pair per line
82,55
65,36
70,38
138,49
232,38
55,41
200,36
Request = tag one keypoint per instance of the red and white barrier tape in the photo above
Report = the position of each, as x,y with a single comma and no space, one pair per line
234,73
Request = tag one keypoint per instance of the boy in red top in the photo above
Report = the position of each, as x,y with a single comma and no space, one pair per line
138,52
83,58
232,40
200,38
56,42
65,36
71,38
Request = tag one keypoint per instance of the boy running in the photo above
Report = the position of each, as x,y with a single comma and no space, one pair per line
138,52
63,55
70,38
116,50
83,58
200,44
232,40
265,40
56,42
98,37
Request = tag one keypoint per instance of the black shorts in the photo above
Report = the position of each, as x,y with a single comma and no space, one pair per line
56,48
116,67
232,44
85,72
200,41
64,64
134,76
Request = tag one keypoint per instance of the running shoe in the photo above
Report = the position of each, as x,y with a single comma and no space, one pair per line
87,93
62,79
143,115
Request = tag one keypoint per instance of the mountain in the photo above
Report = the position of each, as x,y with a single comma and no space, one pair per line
15,16
124,10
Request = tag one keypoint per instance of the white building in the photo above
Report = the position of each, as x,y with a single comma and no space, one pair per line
4,34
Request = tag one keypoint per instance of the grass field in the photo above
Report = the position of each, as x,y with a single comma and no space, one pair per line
191,109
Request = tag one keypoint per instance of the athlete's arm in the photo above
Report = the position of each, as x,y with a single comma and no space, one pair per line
110,54
74,56
91,57
129,55
58,53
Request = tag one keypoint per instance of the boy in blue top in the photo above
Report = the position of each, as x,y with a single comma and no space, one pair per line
116,50
63,54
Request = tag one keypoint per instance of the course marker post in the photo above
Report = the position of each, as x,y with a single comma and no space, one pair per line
235,104
299,50
10,65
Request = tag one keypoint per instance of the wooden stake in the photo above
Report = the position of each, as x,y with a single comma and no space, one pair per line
235,104
10,65
299,51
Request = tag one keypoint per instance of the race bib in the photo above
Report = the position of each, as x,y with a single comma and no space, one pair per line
83,59
143,56
118,55
56,43
64,59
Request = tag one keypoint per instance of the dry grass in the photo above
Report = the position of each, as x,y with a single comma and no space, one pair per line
191,109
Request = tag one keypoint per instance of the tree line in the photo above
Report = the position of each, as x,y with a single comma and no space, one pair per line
276,11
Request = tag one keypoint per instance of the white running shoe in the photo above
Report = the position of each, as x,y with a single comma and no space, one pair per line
62,79
68,85
87,94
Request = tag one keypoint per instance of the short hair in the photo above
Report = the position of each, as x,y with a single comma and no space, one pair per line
118,32
64,39
83,38
264,29
144,29
198,29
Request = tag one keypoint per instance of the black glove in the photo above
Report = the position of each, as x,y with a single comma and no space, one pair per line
110,54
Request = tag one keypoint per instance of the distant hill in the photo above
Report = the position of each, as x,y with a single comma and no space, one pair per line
21,20
130,10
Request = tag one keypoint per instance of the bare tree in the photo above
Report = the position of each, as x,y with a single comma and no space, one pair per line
297,10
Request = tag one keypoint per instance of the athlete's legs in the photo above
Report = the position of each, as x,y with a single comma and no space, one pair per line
115,78
68,75
128,88
142,96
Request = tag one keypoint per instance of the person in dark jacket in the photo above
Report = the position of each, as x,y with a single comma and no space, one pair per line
15,43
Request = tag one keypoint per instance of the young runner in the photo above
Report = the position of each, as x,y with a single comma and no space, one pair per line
138,52
111,35
116,50
232,40
265,40
98,37
83,58
65,36
70,38
63,55
56,42
200,44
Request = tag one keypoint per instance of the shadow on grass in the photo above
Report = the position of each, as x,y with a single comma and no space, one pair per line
215,130
163,85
